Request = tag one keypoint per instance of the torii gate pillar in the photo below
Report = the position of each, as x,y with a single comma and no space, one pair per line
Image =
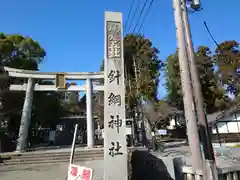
90,124
26,117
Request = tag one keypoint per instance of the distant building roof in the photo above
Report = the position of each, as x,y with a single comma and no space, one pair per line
212,118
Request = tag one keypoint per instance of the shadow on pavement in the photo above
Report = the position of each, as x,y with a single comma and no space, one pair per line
147,167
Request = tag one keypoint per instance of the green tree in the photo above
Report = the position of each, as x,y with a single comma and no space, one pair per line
173,82
214,94
142,67
227,58
20,52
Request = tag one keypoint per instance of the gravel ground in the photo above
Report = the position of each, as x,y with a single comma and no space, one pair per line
48,171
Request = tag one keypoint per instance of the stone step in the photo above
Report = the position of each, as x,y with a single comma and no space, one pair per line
48,161
49,152
58,156
53,157
48,156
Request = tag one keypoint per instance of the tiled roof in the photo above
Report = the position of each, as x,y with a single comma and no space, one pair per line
219,115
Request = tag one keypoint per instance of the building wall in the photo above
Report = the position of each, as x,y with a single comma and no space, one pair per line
176,121
71,96
173,123
230,124
148,128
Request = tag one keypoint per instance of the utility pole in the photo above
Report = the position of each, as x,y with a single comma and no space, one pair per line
198,97
189,108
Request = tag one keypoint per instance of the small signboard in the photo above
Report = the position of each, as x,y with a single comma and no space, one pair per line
129,125
128,131
162,132
76,172
60,81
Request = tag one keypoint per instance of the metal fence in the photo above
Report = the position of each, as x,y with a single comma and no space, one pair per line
230,173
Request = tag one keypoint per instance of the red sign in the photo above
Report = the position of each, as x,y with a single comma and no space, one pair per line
74,171
86,174
79,173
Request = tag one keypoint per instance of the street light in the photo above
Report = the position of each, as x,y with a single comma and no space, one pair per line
195,4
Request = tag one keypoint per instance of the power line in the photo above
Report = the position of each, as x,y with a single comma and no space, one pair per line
129,13
210,34
134,14
150,5
139,17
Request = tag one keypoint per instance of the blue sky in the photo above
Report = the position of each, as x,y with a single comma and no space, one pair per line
72,31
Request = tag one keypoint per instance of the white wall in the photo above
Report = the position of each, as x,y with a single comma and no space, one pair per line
148,128
238,116
228,127
172,124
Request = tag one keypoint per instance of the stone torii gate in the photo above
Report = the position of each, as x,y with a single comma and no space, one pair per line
115,150
60,78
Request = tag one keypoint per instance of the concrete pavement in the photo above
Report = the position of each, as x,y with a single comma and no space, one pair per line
49,171
59,171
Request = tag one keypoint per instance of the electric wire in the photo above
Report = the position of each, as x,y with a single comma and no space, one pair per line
139,17
210,34
144,18
134,15
129,14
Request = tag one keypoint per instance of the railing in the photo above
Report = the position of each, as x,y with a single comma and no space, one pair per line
190,175
227,173
226,137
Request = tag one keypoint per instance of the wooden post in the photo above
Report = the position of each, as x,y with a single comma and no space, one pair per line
73,144
115,150
189,108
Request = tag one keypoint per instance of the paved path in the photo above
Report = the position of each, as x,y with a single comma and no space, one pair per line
59,171
231,156
48,171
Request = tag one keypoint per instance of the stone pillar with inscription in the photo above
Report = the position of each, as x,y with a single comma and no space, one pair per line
90,131
115,150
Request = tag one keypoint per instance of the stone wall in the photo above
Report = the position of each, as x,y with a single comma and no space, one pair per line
143,165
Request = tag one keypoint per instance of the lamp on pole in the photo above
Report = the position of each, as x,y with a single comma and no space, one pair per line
195,4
